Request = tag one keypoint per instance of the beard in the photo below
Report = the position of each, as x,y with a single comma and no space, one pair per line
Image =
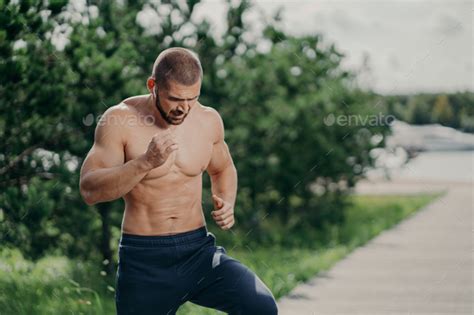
171,118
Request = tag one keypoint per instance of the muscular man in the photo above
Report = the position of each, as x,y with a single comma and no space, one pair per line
151,150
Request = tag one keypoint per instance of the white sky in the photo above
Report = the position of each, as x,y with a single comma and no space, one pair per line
413,46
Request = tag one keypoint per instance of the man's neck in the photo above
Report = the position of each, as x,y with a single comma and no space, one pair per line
159,120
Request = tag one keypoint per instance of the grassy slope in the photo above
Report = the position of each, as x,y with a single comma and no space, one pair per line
46,287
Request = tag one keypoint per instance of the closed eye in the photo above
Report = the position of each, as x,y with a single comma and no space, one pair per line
176,99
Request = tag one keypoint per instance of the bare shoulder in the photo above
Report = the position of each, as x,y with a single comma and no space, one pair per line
213,119
212,116
135,104
114,123
120,109
128,108
136,100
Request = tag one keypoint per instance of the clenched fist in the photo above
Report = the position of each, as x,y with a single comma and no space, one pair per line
223,213
159,149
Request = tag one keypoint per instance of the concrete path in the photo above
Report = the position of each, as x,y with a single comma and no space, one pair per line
424,265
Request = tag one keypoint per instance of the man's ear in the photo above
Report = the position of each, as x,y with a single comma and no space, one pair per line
150,84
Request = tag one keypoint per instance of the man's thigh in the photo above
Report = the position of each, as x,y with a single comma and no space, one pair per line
233,288
144,299
143,286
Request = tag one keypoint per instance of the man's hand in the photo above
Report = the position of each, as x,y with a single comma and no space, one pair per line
159,149
223,213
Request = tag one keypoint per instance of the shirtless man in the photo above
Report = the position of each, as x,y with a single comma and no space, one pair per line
151,150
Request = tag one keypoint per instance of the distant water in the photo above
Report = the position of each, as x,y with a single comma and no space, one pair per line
439,165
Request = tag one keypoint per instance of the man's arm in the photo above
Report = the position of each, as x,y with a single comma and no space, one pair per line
223,175
104,176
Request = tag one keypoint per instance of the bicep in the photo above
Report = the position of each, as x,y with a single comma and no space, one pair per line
220,157
107,150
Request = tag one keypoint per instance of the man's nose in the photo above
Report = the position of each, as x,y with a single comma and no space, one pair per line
184,105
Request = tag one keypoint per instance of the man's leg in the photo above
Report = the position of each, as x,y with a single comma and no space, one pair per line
145,298
145,280
233,288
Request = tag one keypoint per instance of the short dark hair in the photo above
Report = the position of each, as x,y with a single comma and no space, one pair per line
177,64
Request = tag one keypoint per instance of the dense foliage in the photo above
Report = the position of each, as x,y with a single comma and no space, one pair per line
63,65
454,110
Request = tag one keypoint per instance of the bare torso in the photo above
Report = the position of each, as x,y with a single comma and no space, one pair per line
168,199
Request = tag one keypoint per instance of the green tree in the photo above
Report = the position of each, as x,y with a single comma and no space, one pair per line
442,111
37,182
419,111
293,167
277,134
454,110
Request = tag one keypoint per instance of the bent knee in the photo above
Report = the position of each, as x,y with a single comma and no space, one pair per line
266,305
270,307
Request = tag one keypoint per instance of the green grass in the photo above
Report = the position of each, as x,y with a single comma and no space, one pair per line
366,218
57,285
52,285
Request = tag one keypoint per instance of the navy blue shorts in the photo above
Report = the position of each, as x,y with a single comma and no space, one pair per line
157,274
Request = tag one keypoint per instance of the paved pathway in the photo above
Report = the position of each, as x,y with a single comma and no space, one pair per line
424,265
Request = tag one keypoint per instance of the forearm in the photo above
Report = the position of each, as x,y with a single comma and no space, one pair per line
224,184
111,183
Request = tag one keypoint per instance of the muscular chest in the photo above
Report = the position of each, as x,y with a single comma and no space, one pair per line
191,158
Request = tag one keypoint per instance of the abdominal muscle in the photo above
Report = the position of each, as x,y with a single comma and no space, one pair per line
164,206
